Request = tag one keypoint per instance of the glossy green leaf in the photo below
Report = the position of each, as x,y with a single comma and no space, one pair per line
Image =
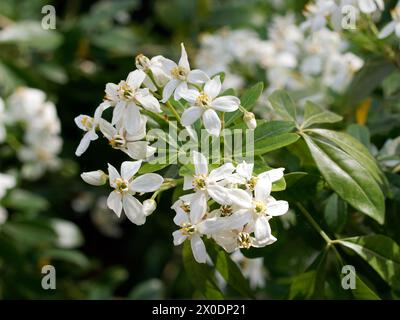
283,105
200,275
314,114
71,256
274,142
359,132
350,179
335,213
229,270
380,252
272,128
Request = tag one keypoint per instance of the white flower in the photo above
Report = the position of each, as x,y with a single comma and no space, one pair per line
149,206
127,98
205,103
370,6
208,184
180,75
393,26
252,269
89,125
95,178
153,65
6,182
129,143
125,187
68,234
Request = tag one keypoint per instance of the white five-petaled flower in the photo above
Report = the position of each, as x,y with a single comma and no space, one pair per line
127,98
205,103
180,75
393,26
208,184
125,187
89,125
130,143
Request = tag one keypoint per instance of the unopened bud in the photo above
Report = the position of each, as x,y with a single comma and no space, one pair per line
95,178
142,62
250,120
149,206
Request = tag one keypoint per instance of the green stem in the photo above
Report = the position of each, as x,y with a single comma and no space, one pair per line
314,223
171,107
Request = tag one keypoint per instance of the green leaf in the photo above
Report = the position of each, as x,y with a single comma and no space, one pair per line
355,149
229,270
152,289
161,163
272,128
247,100
335,213
72,256
314,114
361,133
274,142
25,201
250,97
200,274
30,232
283,105
363,291
380,252
350,179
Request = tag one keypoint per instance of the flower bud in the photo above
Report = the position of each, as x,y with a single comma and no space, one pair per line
95,178
142,62
149,206
250,120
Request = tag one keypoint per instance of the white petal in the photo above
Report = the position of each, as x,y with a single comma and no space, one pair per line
197,77
112,174
226,103
133,209
277,208
262,229
179,238
148,182
198,249
114,202
94,178
85,142
191,115
135,78
78,121
387,30
240,198
100,109
397,29
129,169
107,129
219,194
262,188
181,217
180,90
245,169
140,150
200,163
118,112
132,118
183,61
187,182
367,6
274,174
149,102
198,206
190,95
169,89
222,172
211,122
213,87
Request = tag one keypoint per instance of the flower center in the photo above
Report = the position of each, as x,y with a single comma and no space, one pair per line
244,240
203,100
225,210
118,142
125,92
121,185
179,73
188,229
251,183
185,206
260,208
87,122
396,14
199,182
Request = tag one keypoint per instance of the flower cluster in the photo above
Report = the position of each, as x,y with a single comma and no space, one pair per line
42,142
292,57
231,205
6,182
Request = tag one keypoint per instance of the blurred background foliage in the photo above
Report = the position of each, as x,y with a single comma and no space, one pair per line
95,42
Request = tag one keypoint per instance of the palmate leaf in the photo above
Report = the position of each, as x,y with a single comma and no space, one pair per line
380,252
314,114
349,178
200,275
